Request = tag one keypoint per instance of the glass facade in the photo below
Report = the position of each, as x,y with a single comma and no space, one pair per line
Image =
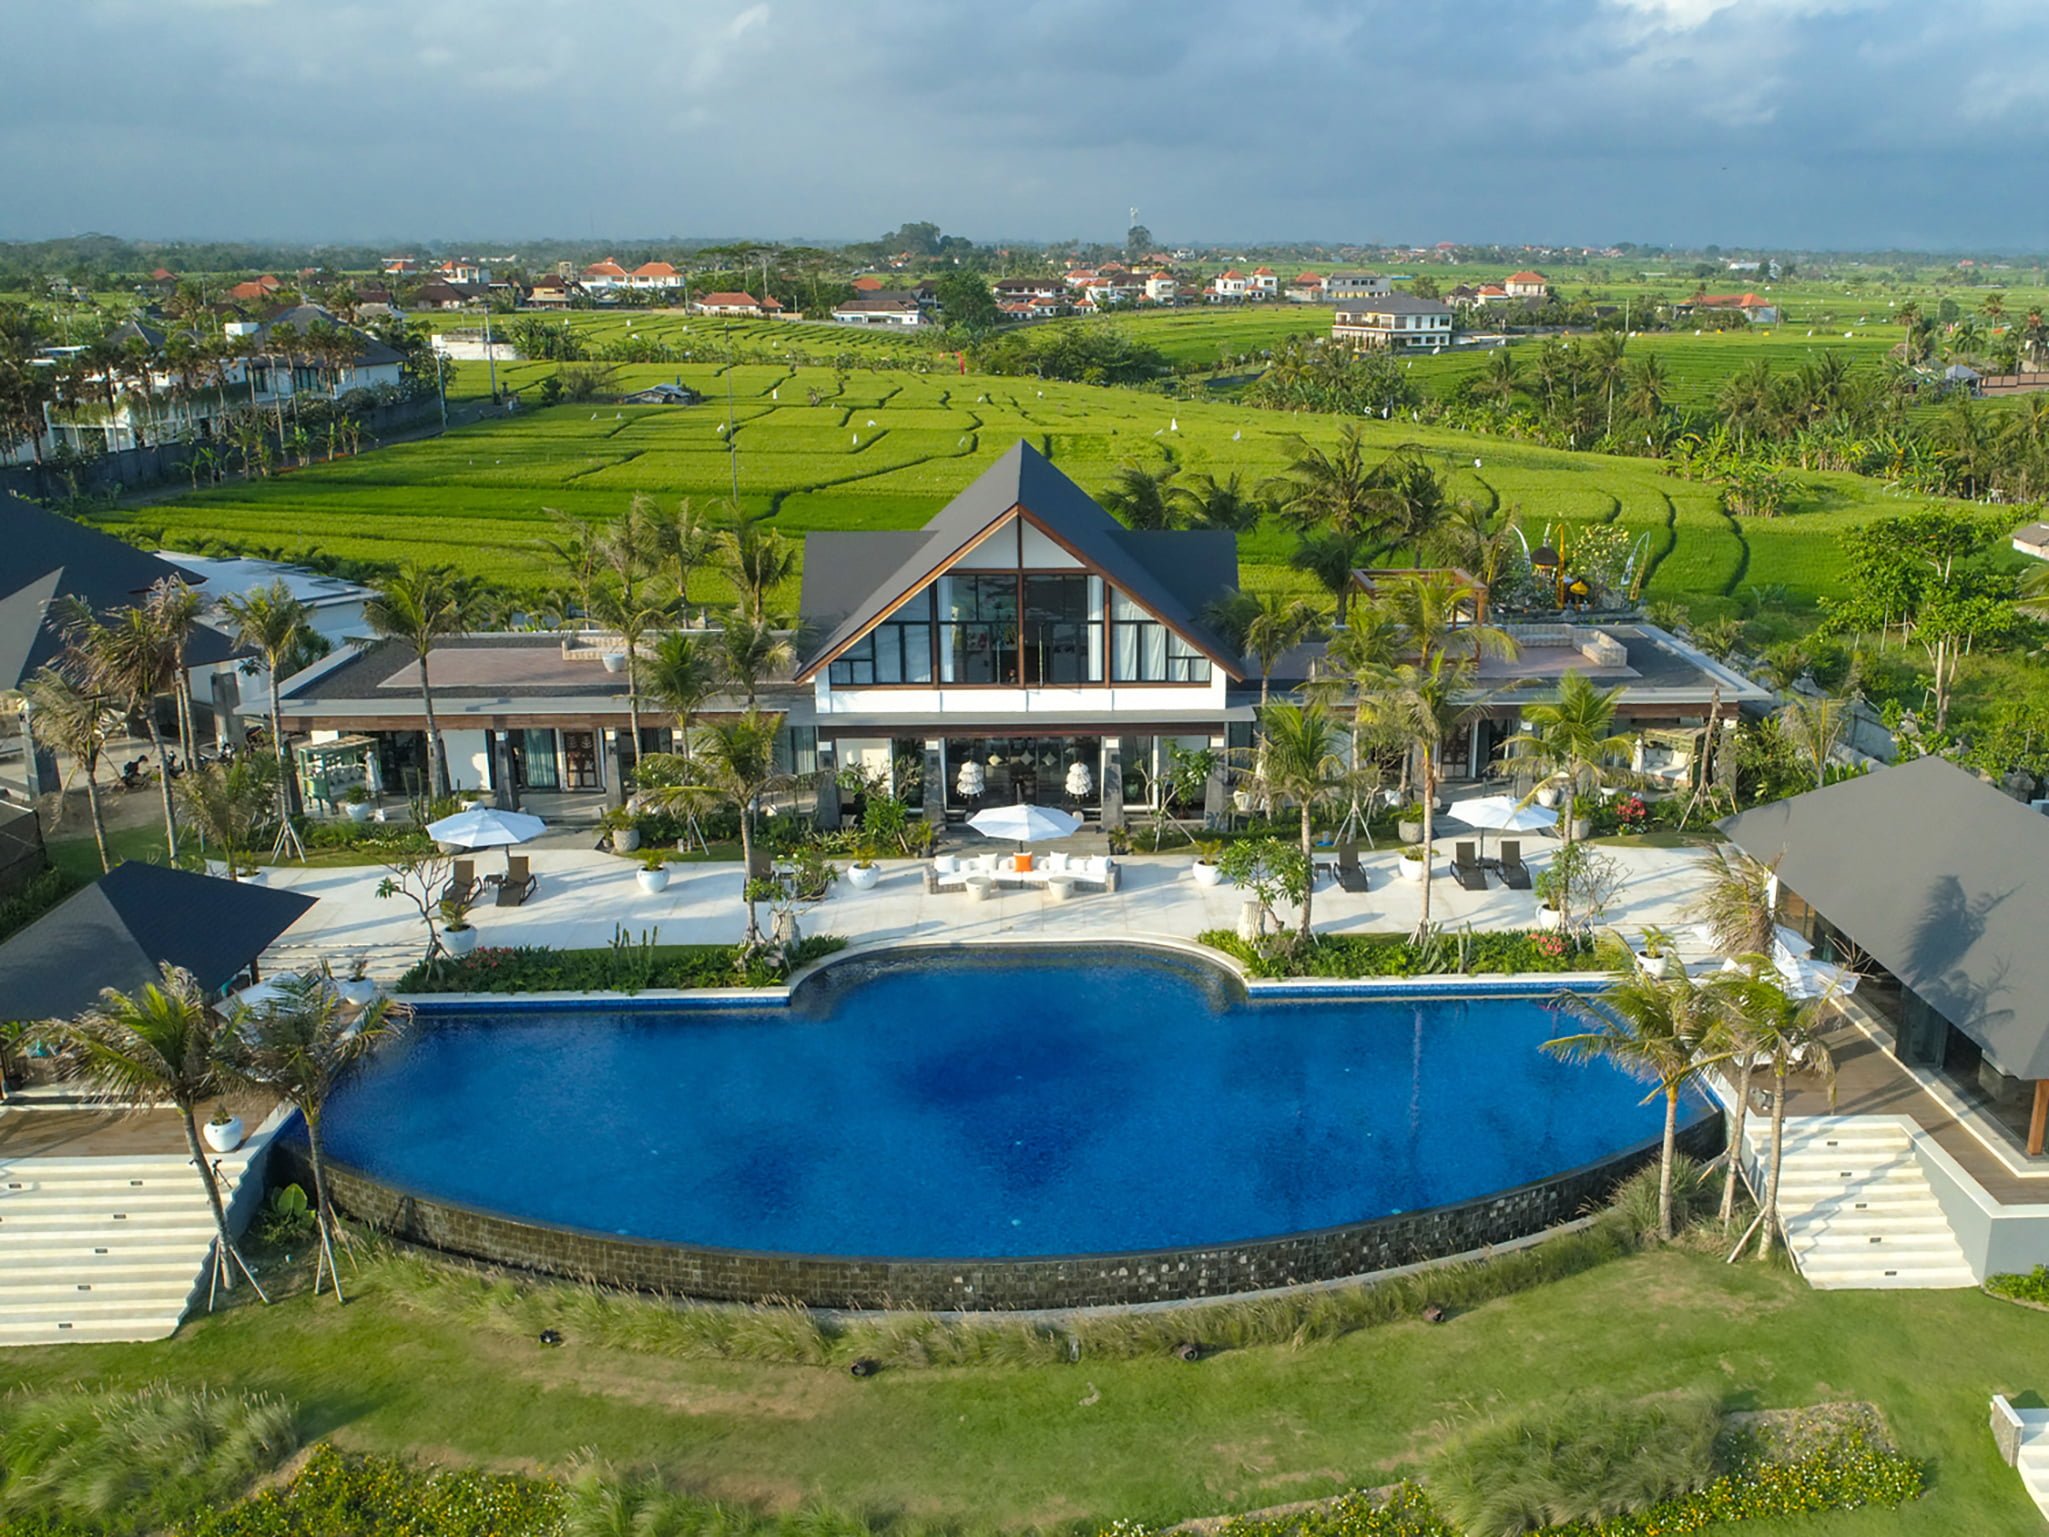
1063,771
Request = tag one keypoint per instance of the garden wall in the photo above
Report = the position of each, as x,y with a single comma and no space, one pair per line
1078,1281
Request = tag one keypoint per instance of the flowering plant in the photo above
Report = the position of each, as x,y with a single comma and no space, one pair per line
1632,815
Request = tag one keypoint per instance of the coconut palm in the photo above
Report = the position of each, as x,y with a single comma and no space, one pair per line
1658,1030
682,673
1572,739
1331,558
1142,498
1479,542
161,1042
752,651
1299,761
634,616
423,606
302,1044
1332,488
1267,624
1499,381
1789,1032
275,624
575,544
1647,389
231,806
78,722
1206,502
128,657
733,764
683,540
1816,725
756,561
1419,705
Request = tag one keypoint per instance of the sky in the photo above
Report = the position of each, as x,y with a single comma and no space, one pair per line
1797,124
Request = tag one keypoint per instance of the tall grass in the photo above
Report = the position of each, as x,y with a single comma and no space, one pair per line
1584,1458
121,1462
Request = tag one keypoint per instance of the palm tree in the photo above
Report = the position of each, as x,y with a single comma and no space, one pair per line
1333,489
735,765
1499,381
1229,504
160,1043
575,544
1419,705
1647,389
1414,500
231,805
682,674
753,651
1142,498
275,624
684,539
633,617
77,722
1478,542
127,657
422,606
1331,558
301,1045
1658,1030
757,562
1736,907
1815,724
1267,624
1789,1031
1573,738
1299,761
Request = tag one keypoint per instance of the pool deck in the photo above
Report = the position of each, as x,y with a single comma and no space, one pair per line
584,896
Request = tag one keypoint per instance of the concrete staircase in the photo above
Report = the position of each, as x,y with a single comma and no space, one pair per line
1856,1208
2033,1464
104,1248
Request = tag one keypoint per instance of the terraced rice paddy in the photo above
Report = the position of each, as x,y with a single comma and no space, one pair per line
888,449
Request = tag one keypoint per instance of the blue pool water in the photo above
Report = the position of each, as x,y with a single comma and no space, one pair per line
983,1105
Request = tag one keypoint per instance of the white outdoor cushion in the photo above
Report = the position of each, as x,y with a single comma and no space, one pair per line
1056,863
945,864
1099,865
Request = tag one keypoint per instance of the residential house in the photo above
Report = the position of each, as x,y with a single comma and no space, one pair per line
1025,288
1754,308
867,283
555,293
399,266
1228,286
654,275
465,272
1527,285
255,290
883,308
1399,322
1110,289
434,294
1340,286
1079,278
2032,539
1162,288
1308,288
735,304
1261,283
604,276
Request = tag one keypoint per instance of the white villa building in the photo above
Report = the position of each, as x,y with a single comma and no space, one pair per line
1398,322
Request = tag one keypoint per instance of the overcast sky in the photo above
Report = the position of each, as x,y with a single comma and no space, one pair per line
1778,122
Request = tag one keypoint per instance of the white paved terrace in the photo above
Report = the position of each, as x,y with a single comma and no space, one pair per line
583,895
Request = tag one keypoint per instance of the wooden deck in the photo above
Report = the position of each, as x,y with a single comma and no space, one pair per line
92,1133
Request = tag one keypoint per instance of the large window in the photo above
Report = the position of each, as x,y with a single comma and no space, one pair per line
899,650
978,629
1059,641
1142,650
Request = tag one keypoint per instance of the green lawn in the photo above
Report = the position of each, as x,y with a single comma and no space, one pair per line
1009,1447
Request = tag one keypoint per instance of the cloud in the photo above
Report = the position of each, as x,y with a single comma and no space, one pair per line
1785,122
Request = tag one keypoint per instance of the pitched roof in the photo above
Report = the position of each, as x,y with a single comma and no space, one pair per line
1394,304
1307,278
728,301
1937,876
119,930
604,269
654,270
1230,272
851,581
867,284
876,305
1527,277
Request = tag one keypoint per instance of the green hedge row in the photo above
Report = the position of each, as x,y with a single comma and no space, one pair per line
619,968
2031,1287
338,1496
1387,955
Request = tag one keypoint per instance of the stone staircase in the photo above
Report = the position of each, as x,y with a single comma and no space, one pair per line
104,1248
1856,1208
2033,1463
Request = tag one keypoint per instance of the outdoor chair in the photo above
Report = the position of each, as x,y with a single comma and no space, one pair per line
1515,875
1350,876
1466,868
519,881
463,885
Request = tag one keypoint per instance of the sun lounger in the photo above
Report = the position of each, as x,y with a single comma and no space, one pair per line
518,883
1514,873
463,885
1350,876
1466,869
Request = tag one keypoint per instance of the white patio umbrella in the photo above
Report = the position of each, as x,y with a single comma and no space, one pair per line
1024,824
1502,813
486,827
1804,978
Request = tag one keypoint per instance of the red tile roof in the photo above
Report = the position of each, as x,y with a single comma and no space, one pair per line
1262,272
654,270
604,269
1308,279
1232,272
732,301
1527,277
867,285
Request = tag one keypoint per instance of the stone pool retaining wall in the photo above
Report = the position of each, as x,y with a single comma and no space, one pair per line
998,1284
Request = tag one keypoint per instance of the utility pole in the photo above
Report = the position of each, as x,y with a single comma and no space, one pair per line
490,353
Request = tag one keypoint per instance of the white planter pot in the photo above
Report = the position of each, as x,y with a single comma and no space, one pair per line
625,839
1412,869
863,877
1659,966
459,941
224,1136
1242,799
1409,832
357,992
1206,873
615,661
1548,797
357,811
1549,918
652,881
1582,829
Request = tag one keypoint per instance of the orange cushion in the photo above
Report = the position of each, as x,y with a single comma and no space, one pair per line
1023,864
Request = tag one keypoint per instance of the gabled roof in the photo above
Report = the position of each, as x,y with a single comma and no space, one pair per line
604,269
654,270
122,928
1527,277
853,581
729,301
1937,876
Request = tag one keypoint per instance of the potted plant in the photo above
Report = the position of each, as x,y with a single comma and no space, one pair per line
624,828
653,874
1408,822
813,874
224,1131
356,989
1414,861
458,938
1207,871
1657,958
1550,886
1583,808
864,872
356,802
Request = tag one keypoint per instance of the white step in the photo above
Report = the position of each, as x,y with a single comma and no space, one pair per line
57,1290
91,1331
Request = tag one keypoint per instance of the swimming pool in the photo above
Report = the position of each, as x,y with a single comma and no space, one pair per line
994,1104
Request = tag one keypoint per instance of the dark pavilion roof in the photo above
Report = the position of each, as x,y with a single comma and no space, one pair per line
1938,877
120,930
853,580
45,557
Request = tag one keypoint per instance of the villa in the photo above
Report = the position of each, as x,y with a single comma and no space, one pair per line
1394,322
741,304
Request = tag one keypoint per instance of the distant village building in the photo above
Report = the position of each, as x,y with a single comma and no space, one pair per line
556,293
739,304
434,294
1262,284
1527,285
1753,307
1308,288
656,275
1228,286
2032,539
882,308
1396,322
255,290
1162,288
603,276
1340,286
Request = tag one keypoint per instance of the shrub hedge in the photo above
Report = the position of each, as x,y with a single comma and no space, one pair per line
42,892
1391,955
342,1496
624,968
2030,1287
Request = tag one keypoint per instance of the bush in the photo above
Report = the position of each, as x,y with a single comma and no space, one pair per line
339,1496
1389,955
624,966
107,1461
1583,1458
374,840
42,892
1694,1193
2032,1287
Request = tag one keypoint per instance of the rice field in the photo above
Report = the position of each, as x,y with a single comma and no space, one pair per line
888,449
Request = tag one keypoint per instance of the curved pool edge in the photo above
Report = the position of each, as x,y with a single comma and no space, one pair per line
1486,984
1050,1283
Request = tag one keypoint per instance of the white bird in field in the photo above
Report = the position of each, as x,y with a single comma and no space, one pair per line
1237,434
857,440
594,416
1848,334
871,421
1476,464
1173,424
775,394
1159,431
